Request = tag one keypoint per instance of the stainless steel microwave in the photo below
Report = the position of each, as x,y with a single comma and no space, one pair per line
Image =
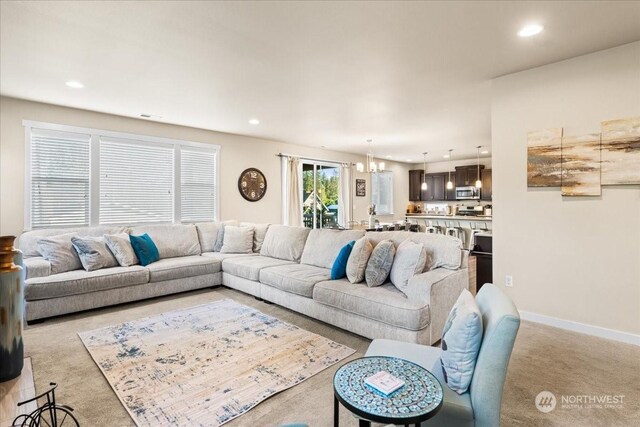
467,193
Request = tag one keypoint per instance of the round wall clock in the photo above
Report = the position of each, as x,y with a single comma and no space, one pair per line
252,184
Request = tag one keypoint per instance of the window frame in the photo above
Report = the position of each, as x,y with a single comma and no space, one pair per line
94,161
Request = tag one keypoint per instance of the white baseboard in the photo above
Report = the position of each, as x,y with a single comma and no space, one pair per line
583,328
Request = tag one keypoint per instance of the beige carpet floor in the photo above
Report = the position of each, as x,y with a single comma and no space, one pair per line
544,358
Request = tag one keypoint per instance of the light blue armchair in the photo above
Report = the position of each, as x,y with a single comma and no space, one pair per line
480,405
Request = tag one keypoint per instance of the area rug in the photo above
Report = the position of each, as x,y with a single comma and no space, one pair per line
205,365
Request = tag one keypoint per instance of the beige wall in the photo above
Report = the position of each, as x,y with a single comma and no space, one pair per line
237,154
576,259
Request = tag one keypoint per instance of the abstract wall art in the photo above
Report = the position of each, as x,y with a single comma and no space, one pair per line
544,159
581,165
621,151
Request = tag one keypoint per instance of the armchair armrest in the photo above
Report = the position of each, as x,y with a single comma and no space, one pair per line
36,267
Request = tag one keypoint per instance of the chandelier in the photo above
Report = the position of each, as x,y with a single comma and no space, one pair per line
370,166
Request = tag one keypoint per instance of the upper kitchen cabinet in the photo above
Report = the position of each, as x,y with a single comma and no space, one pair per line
486,192
415,181
467,175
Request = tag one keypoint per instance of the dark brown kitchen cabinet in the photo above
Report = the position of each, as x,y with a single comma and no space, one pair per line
467,175
427,195
415,181
486,192
450,194
438,187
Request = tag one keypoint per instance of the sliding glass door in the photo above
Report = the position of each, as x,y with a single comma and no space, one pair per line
320,194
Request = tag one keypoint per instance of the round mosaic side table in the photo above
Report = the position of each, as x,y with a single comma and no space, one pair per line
418,400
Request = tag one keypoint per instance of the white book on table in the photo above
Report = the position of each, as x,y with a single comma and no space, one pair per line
384,382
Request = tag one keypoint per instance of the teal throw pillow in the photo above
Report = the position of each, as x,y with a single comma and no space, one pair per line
145,249
339,269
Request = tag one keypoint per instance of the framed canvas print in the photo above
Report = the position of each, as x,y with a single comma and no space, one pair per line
621,151
544,158
361,187
581,165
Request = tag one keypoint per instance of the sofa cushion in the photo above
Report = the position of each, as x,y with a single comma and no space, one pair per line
120,246
238,239
145,249
295,278
323,246
358,260
284,242
28,241
220,238
409,260
384,303
260,231
380,262
94,253
59,251
37,267
208,235
248,267
181,267
221,257
172,240
81,282
442,251
339,267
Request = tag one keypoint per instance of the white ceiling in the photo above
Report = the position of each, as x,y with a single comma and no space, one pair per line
412,76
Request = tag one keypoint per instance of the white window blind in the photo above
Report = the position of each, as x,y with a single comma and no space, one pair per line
136,182
198,184
382,192
59,178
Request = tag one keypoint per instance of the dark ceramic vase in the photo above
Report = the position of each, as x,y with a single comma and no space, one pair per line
11,310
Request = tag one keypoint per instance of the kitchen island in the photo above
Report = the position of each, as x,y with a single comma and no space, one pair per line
469,224
424,216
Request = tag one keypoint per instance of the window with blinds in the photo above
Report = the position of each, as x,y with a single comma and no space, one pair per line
88,177
136,182
197,184
59,179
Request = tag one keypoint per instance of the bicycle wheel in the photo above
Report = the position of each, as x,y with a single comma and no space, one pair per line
58,416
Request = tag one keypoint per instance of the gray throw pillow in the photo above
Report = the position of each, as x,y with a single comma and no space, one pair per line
120,247
208,235
237,240
220,240
94,253
358,259
379,265
410,260
461,339
59,251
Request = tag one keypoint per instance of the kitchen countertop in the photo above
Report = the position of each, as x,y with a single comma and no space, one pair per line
450,217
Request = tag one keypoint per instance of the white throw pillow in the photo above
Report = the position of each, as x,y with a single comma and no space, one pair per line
380,262
120,246
59,251
220,239
357,263
409,260
461,339
237,240
93,252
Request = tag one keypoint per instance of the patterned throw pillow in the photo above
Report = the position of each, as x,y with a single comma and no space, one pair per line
358,259
461,339
94,253
59,251
339,268
379,265
409,260
145,249
120,246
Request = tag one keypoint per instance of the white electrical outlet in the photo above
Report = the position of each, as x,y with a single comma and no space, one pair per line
508,281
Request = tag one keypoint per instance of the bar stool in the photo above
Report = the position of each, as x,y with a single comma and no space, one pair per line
476,228
452,230
430,228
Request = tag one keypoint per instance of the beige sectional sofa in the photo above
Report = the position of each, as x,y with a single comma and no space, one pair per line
290,267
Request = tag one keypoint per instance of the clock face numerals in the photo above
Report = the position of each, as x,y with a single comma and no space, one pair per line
252,184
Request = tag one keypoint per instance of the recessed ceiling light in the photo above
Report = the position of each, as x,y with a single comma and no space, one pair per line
485,152
74,84
408,160
446,156
254,122
388,157
530,30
